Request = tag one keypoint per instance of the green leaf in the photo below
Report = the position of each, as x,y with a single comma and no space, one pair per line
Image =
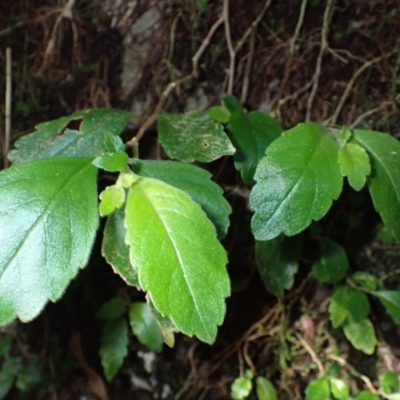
391,301
219,114
345,135
112,162
384,183
333,264
365,281
5,343
265,389
277,262
361,335
195,182
366,395
194,136
338,311
113,308
354,163
180,262
81,134
48,222
340,389
241,387
201,4
389,382
232,103
9,371
114,346
251,133
115,250
145,326
113,143
111,198
297,181
318,389
357,305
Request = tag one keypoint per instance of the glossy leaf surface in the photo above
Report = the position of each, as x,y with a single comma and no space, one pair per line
114,346
112,162
48,222
338,310
180,262
340,389
81,134
297,181
195,182
219,114
265,389
145,326
389,382
354,163
115,250
366,395
277,261
251,133
111,198
194,136
391,301
318,389
333,264
361,335
384,182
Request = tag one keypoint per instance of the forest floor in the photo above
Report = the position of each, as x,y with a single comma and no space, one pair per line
334,62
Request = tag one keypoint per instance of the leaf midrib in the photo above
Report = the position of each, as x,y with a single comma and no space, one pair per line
49,206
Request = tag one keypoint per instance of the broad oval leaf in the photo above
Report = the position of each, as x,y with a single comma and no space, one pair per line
340,389
112,162
195,182
391,301
389,382
361,335
265,389
145,326
193,136
333,264
338,310
384,181
251,133
219,114
114,346
115,250
318,389
81,134
180,262
297,181
354,163
366,395
277,261
48,222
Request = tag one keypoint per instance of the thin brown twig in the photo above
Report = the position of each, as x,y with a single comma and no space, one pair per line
353,371
6,31
172,85
312,353
249,64
297,29
252,26
324,46
332,120
384,105
231,72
